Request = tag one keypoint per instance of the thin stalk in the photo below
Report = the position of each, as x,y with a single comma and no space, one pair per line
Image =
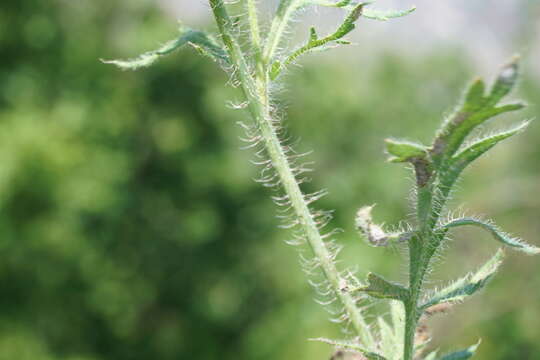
254,25
419,261
255,33
421,250
278,27
259,108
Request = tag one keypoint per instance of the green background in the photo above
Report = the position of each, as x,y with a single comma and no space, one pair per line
131,228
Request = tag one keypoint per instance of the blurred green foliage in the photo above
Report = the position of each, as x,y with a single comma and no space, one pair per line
130,227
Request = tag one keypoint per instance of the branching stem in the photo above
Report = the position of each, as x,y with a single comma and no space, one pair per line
278,27
259,108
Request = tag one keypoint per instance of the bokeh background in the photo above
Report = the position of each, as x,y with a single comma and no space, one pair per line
130,227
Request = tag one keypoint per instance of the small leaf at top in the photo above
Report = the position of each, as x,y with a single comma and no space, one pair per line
505,81
475,110
474,97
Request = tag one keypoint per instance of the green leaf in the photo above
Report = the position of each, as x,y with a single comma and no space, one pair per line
386,15
202,42
432,355
497,233
380,288
473,151
316,43
403,151
505,81
467,285
475,110
351,346
474,96
355,10
463,354
345,4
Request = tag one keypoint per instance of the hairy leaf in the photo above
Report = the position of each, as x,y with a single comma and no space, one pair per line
475,110
505,81
380,288
202,42
314,42
473,151
474,97
330,3
497,233
463,354
351,346
467,285
403,151
385,15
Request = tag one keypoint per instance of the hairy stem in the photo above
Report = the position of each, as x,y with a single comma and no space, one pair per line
420,253
255,34
279,25
256,91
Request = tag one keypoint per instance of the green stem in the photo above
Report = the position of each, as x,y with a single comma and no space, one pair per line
419,261
278,27
255,37
256,92
421,250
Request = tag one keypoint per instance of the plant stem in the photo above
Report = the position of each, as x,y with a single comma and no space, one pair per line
418,266
255,38
256,92
283,16
421,250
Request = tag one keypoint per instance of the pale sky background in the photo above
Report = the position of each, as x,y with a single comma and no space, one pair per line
489,31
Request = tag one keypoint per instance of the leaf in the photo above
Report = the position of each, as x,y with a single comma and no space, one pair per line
403,151
351,346
380,288
432,355
473,151
386,15
505,81
474,97
202,42
330,3
463,354
497,233
475,110
468,285
314,42
355,10
373,14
